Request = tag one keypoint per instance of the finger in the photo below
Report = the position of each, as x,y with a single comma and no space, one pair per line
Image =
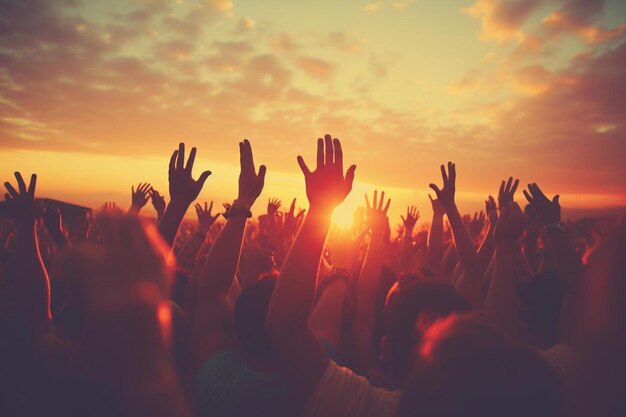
387,206
203,178
338,155
205,206
293,207
528,197
350,177
435,189
32,185
181,156
210,207
320,153
261,176
328,143
514,188
250,156
381,201
536,191
507,188
443,174
132,188
555,200
11,190
173,161
375,202
20,182
452,171
431,199
403,219
367,202
501,190
303,167
192,158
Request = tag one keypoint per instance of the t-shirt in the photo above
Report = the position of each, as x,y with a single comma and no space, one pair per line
227,386
342,393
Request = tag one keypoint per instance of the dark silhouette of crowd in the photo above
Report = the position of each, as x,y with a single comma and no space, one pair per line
512,311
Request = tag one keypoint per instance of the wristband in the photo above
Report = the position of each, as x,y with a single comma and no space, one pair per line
238,208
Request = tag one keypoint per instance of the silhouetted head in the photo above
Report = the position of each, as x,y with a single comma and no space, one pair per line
249,318
423,301
466,368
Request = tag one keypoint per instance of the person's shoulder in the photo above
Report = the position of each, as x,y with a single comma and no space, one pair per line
341,391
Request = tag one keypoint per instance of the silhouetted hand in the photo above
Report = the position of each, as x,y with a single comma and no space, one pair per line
326,187
183,188
375,214
205,218
250,183
272,206
21,206
438,209
110,207
412,216
476,224
506,193
291,221
139,197
510,224
548,212
491,210
446,194
158,202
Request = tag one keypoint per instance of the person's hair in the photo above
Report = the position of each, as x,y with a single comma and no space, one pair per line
465,368
417,299
249,316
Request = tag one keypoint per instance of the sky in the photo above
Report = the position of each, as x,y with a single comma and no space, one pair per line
95,95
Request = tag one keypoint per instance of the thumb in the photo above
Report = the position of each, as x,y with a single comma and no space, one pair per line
555,200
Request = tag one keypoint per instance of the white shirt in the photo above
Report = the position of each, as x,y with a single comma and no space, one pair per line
342,393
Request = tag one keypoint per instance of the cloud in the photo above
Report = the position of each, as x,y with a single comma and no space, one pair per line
315,67
344,42
502,20
393,4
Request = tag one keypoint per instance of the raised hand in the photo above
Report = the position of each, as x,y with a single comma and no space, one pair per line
438,209
510,224
292,221
412,216
139,197
506,193
250,183
445,195
375,213
205,218
21,206
326,187
158,202
183,188
491,210
272,206
476,224
110,207
548,212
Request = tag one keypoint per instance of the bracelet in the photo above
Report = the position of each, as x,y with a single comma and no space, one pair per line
237,211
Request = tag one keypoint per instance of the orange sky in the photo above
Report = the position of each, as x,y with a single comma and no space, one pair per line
94,96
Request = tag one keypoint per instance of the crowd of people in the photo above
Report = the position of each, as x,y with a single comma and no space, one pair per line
512,311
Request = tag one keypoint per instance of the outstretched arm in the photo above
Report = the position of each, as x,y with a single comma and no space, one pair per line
183,191
301,357
212,326
469,285
368,282
502,304
187,254
412,216
487,246
434,250
567,263
32,288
